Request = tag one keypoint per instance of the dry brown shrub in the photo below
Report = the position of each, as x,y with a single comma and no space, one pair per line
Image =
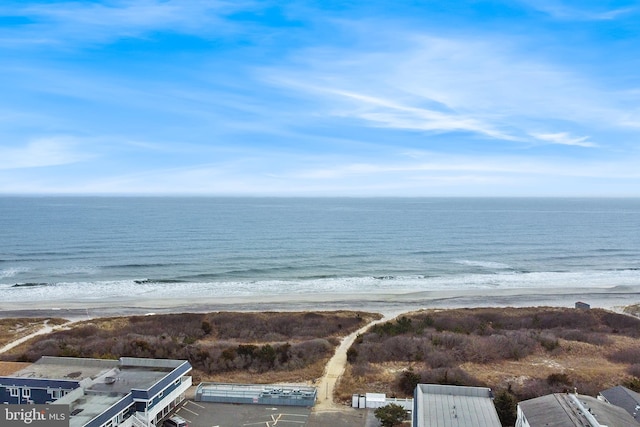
377,381
518,347
289,346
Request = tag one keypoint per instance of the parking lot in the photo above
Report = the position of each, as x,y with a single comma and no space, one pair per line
201,414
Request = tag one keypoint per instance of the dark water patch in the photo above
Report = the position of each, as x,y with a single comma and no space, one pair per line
347,256
30,285
59,253
613,250
142,265
159,281
319,277
58,258
256,273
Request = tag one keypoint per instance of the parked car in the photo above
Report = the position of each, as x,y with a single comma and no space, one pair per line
175,421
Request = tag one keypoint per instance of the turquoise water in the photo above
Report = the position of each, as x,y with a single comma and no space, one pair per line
91,248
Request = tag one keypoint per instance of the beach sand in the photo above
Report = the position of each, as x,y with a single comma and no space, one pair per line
388,304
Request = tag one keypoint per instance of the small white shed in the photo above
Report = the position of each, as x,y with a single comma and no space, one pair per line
375,400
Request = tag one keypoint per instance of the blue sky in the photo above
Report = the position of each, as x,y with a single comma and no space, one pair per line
320,98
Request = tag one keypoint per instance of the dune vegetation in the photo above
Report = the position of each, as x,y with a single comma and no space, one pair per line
225,346
527,351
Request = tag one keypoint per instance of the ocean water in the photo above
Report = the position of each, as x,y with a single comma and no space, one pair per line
93,248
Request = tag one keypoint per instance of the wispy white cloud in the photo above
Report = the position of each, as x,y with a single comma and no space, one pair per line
393,114
488,166
448,174
487,86
40,152
381,106
73,22
420,174
563,10
564,138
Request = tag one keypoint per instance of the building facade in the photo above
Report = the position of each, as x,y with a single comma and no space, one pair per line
102,393
256,394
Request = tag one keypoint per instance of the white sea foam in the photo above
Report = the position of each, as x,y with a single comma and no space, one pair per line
129,290
12,272
76,269
484,264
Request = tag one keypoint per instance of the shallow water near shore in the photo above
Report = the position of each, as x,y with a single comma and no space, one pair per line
63,252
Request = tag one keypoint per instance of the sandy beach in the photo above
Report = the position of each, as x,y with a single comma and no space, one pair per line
388,304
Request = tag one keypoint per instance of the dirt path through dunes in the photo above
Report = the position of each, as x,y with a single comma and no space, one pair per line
335,368
44,330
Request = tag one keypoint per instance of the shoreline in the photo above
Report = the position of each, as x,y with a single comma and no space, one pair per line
387,304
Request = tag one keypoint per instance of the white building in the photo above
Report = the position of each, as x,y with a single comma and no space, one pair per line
128,392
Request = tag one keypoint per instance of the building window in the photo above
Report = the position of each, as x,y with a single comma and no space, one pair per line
26,392
55,394
14,392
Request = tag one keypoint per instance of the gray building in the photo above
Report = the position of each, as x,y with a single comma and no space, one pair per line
436,405
621,396
258,394
571,410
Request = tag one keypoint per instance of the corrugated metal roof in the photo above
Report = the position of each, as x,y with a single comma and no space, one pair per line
563,410
453,406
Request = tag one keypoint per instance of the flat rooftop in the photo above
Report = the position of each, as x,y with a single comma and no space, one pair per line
102,383
66,368
106,375
122,380
87,407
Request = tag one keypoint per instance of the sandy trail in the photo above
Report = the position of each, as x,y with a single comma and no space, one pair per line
46,329
336,366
